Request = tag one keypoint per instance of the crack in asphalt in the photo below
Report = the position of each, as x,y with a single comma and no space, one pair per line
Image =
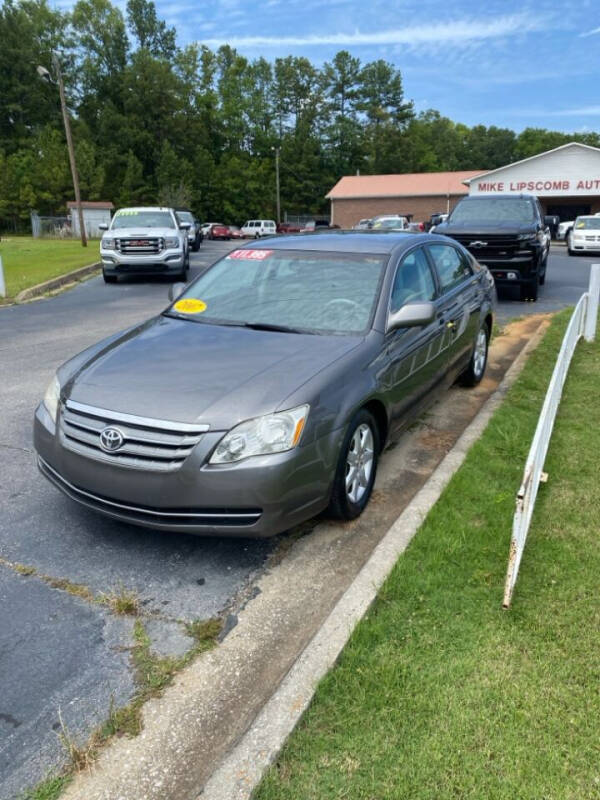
14,447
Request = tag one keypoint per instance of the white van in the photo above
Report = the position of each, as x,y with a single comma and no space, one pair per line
255,228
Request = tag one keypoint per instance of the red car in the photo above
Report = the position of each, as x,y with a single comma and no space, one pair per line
289,227
219,231
235,232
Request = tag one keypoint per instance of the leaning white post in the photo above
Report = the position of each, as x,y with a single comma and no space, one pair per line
591,315
2,283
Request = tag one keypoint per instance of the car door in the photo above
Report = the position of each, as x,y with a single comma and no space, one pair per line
459,304
413,360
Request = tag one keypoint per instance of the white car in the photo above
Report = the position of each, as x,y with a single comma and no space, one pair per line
362,225
584,236
144,241
389,222
563,229
255,228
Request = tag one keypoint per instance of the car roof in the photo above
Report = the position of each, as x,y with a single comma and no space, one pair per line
348,241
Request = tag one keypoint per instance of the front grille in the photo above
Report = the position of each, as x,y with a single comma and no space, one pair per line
150,444
169,517
142,246
591,238
497,246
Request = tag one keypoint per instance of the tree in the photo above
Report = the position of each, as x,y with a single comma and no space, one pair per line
151,33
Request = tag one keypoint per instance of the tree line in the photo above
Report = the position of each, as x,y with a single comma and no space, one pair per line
156,122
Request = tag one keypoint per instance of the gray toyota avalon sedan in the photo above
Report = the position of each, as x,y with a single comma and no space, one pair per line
265,392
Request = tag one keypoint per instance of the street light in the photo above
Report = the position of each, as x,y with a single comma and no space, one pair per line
45,75
276,149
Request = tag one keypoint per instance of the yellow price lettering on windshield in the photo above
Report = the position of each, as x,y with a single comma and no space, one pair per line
190,305
580,225
128,213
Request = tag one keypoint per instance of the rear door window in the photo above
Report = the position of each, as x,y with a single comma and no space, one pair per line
451,266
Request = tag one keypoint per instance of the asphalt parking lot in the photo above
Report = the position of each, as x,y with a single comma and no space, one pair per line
58,651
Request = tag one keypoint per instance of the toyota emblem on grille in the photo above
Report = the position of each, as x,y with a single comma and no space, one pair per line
111,439
477,244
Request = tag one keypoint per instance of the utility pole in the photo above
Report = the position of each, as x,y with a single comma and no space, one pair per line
277,184
43,73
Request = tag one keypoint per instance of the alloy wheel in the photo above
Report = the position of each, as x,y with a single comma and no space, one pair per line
359,463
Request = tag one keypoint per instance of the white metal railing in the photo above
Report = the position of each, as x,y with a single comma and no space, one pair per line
582,323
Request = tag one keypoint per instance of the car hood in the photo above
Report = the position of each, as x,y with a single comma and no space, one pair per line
194,372
483,228
140,231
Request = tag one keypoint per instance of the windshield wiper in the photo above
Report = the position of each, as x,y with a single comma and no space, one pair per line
267,326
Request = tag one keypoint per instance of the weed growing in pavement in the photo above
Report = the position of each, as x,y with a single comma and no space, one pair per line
122,601
48,789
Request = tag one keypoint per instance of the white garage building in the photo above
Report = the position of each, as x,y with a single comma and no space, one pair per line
94,214
566,180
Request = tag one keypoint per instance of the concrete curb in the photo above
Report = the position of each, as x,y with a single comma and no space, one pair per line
56,283
240,772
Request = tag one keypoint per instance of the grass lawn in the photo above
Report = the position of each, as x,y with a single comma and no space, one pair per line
29,261
441,693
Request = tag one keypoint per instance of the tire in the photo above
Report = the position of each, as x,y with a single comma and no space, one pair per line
348,502
529,290
109,278
476,369
196,245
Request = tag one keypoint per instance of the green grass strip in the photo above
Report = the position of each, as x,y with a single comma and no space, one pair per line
27,261
442,694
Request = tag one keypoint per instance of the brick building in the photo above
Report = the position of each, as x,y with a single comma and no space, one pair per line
356,197
566,180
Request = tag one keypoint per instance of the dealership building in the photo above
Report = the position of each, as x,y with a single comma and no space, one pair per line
566,180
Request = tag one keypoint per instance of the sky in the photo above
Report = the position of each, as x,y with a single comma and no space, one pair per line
511,63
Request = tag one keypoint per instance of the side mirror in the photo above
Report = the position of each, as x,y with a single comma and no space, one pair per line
185,226
175,290
103,226
411,315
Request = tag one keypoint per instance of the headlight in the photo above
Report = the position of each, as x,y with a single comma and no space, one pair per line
527,237
274,433
171,241
52,397
108,244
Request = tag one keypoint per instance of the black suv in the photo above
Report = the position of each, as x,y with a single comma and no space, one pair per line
507,233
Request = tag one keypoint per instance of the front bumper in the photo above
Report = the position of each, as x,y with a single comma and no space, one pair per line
584,247
258,497
115,263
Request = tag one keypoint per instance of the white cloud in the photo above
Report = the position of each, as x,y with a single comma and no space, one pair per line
590,33
584,111
459,31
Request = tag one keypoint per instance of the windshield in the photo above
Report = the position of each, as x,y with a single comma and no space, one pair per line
312,292
587,223
493,209
185,216
142,219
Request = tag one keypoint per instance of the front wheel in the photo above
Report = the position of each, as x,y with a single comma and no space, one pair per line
356,468
530,290
474,372
109,278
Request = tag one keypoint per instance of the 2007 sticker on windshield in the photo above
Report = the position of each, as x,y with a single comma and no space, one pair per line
189,305
250,255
